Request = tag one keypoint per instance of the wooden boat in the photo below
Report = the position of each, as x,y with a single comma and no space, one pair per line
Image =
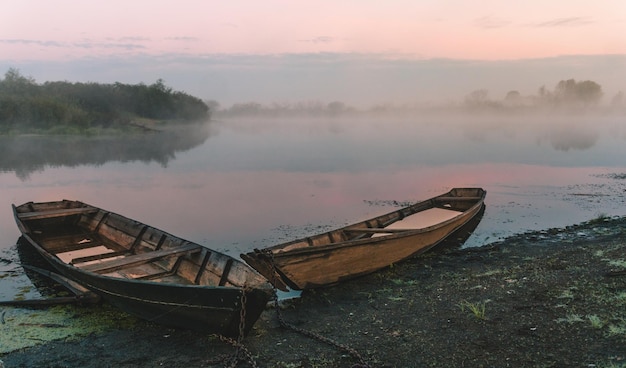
143,270
366,246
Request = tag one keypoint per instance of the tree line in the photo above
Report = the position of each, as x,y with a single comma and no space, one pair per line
567,96
26,105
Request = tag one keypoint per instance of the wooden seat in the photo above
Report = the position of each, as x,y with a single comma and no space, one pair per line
55,213
141,258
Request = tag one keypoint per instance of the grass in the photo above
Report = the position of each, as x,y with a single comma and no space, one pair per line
618,263
477,309
610,365
570,319
596,322
620,297
600,217
617,329
489,273
401,282
567,294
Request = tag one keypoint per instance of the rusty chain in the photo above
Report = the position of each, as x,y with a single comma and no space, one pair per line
233,360
355,354
242,312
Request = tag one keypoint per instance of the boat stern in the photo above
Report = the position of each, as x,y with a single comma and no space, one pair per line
262,263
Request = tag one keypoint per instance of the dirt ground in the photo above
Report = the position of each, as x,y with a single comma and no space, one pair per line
555,298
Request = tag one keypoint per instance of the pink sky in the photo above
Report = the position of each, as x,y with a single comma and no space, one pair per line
488,30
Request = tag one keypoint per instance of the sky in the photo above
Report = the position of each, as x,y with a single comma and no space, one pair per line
358,51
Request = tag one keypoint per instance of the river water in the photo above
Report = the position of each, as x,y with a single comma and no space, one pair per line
237,184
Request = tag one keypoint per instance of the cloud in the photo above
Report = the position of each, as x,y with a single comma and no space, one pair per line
490,22
108,45
32,42
566,22
131,38
183,38
319,39
87,44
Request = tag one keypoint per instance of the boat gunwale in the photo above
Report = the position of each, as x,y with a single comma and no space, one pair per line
210,307
260,281
277,253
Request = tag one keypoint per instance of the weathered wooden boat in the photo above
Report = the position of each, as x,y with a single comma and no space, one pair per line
143,270
366,246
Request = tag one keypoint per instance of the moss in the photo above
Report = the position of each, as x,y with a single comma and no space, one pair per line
26,328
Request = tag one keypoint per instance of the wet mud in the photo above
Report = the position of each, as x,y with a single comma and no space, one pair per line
552,298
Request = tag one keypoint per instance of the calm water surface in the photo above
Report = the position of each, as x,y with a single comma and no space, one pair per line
235,185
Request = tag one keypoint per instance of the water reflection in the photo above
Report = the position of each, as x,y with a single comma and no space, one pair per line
576,138
458,238
264,182
27,154
28,256
561,133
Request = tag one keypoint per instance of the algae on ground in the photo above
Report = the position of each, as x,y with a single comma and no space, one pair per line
21,328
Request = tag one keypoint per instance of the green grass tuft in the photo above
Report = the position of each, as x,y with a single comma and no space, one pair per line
477,309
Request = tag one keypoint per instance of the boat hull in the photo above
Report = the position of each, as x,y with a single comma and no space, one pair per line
311,263
206,308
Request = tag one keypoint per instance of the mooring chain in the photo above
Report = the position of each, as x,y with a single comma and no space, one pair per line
355,354
233,360
242,312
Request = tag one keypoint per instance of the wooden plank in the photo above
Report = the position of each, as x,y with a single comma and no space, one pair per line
73,243
202,267
224,278
139,237
137,259
55,213
457,198
97,257
375,230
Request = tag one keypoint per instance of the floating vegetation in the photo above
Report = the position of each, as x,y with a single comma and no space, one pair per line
615,176
24,328
387,202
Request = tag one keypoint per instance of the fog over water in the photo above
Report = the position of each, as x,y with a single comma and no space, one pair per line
237,184
358,79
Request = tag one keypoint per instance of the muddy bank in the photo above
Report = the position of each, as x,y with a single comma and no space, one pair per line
555,298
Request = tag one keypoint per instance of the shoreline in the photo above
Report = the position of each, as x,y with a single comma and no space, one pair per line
536,299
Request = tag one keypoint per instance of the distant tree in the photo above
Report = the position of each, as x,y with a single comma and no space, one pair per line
336,108
247,108
577,93
26,105
213,105
543,97
513,98
477,98
618,99
589,92
13,76
14,82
